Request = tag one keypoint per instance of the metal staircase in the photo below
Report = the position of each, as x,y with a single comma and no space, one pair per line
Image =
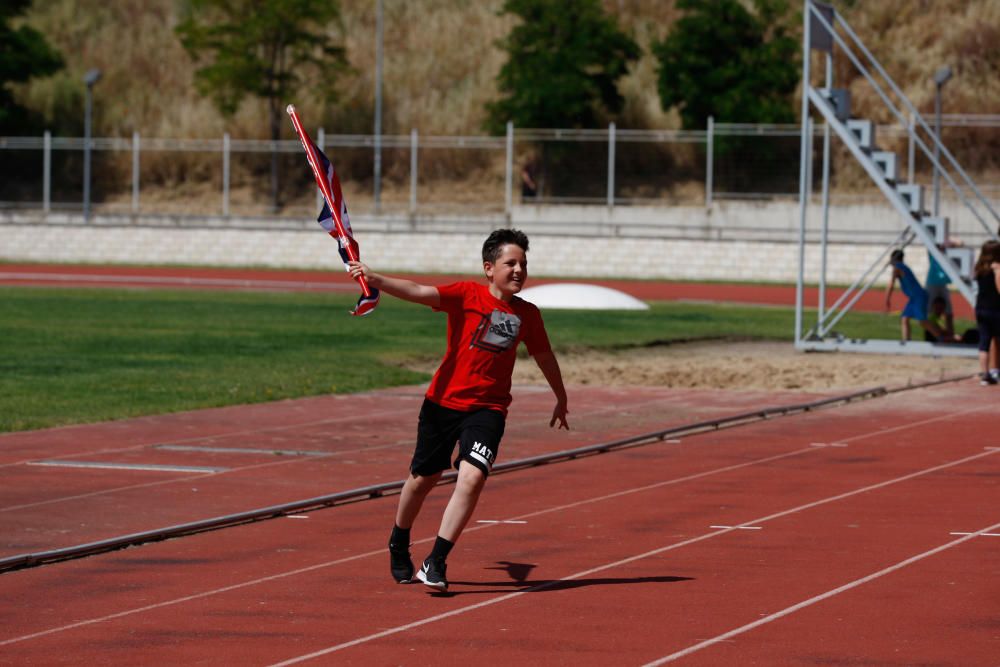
823,30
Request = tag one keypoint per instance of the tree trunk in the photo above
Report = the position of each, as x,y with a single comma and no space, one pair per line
275,114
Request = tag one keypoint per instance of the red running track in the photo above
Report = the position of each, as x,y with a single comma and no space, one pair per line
256,279
864,534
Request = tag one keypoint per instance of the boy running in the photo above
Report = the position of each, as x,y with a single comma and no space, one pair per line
468,397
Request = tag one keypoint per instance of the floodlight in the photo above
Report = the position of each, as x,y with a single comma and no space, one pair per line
942,75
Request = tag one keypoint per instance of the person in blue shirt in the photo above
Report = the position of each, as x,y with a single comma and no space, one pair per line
917,301
936,285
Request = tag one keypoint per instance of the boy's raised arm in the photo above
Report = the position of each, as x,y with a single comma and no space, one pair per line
397,287
553,375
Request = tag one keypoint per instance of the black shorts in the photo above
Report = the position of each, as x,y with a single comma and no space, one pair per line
477,433
989,327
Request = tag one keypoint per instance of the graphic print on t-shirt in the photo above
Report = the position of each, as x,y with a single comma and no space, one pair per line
497,331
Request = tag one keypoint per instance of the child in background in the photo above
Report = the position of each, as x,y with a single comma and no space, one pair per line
468,397
916,305
987,272
938,316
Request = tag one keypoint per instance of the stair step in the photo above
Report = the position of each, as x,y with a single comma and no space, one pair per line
840,100
888,162
937,228
864,132
913,195
963,258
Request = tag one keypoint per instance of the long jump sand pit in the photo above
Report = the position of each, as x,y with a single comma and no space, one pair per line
733,365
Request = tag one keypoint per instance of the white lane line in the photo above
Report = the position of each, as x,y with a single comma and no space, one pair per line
828,444
902,427
173,280
738,527
381,552
654,552
978,534
227,435
219,436
499,521
111,465
818,598
241,450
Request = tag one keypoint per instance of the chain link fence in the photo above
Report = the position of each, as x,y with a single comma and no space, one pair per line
465,175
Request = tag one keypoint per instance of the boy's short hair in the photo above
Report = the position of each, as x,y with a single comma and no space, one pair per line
896,256
498,239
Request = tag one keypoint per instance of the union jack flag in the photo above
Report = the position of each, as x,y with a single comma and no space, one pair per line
366,304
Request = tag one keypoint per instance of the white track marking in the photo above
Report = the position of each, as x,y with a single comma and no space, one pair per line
980,534
111,465
499,521
210,437
819,598
381,552
738,527
140,280
902,427
654,552
199,438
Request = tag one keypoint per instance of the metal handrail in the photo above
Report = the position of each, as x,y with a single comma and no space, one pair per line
899,115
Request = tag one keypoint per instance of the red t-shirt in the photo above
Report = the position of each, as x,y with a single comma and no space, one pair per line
483,333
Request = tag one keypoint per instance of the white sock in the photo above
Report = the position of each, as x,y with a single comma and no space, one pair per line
995,372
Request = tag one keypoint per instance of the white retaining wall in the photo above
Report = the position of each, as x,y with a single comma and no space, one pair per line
734,242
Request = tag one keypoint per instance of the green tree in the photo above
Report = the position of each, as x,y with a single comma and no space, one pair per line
24,55
721,60
564,60
263,48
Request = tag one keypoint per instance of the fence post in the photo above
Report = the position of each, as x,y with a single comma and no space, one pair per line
225,175
509,172
709,152
135,173
413,172
321,143
47,172
611,165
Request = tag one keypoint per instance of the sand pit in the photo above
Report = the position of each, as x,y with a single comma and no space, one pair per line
745,365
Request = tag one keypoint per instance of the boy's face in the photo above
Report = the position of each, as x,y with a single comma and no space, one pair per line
510,271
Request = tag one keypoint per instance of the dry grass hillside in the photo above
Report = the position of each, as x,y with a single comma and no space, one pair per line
441,60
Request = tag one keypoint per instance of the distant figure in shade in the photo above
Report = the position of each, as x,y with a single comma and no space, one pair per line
937,288
987,272
529,186
917,303
937,314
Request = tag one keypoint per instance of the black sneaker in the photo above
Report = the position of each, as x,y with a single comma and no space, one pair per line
986,379
432,574
400,563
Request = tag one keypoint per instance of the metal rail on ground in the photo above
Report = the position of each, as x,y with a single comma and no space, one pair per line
23,561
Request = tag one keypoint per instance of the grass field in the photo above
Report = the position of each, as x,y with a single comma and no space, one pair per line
76,356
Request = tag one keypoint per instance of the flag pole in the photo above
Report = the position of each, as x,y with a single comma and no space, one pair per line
324,186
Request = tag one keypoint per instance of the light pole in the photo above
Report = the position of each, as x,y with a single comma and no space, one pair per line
90,78
940,78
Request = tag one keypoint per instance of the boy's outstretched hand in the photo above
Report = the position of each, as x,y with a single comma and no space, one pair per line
559,414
